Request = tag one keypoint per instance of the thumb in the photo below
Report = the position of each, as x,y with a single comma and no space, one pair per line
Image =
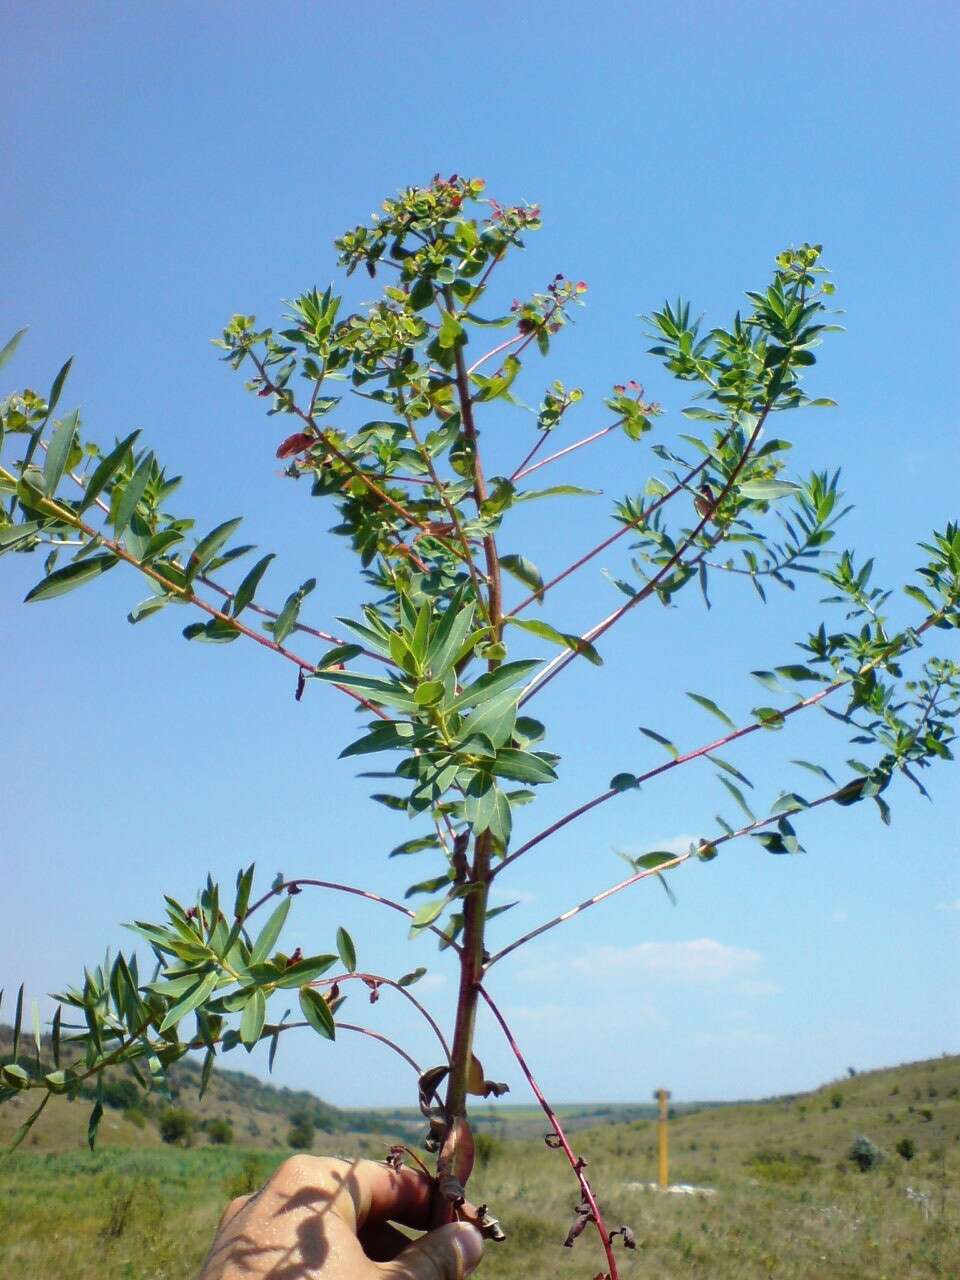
449,1253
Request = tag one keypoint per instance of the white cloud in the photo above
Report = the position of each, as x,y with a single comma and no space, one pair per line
702,960
949,906
669,844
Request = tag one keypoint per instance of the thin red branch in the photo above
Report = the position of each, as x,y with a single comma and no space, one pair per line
576,1164
627,528
375,1035
346,888
379,981
524,470
656,871
716,745
553,669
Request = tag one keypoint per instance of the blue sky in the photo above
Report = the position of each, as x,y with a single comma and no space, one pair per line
168,166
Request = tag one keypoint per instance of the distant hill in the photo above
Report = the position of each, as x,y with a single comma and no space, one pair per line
920,1099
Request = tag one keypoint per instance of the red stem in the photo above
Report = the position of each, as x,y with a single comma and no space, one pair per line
347,888
524,470
576,1164
630,525
686,757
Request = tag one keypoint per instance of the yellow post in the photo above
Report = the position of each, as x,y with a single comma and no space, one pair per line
662,1096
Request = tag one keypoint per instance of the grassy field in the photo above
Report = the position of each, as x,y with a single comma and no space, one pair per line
789,1203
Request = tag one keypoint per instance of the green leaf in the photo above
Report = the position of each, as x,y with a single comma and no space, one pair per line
426,913
11,347
522,766
556,491
346,950
451,331
729,768
338,654
18,1015
317,1013
254,1016
58,452
371,687
270,932
817,769
769,717
10,535
93,1124
290,612
194,996
409,979
493,682
658,858
767,490
105,470
797,672
244,885
739,797
208,546
71,576
664,742
132,493
306,970
247,589
53,399
623,782
564,639
768,680
709,705
525,571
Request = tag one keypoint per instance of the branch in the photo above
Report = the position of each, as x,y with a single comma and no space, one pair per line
554,668
656,871
524,470
576,1163
716,745
375,1035
374,980
293,886
627,527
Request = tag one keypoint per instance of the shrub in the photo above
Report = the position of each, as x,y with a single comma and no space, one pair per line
865,1154
176,1126
906,1148
219,1130
301,1132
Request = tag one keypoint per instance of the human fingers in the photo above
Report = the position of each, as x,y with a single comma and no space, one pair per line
449,1253
231,1211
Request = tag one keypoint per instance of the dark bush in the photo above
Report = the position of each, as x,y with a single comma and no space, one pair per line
176,1126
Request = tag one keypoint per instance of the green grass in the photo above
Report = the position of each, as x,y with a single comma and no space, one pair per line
789,1203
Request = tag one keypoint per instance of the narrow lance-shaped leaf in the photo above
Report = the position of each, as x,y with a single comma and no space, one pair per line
270,932
71,576
132,493
709,705
10,347
254,1015
317,1012
188,1002
58,452
346,950
208,546
57,388
664,742
247,589
105,470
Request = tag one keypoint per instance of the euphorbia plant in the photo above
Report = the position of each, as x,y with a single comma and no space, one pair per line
429,660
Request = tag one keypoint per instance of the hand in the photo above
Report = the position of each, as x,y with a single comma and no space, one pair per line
326,1219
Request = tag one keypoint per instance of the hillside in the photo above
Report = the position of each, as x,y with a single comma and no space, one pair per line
789,1202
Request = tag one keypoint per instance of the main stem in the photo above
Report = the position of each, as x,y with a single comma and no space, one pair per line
473,953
